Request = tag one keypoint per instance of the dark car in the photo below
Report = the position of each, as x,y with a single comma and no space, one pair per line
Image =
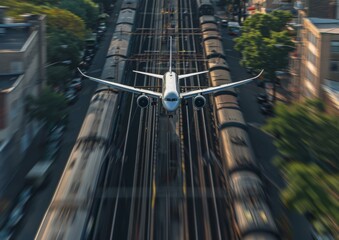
267,108
262,97
76,84
71,96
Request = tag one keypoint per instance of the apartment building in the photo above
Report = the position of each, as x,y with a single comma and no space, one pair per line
22,57
319,66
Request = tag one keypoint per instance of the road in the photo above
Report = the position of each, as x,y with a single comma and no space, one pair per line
262,143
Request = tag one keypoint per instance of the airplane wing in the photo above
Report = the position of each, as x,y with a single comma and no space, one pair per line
123,87
150,74
190,74
189,94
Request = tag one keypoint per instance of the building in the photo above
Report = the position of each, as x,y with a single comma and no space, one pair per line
310,63
319,75
22,57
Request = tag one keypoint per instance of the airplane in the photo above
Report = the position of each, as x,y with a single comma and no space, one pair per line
170,95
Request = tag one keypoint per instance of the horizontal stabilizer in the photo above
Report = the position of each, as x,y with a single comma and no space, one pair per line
150,74
191,74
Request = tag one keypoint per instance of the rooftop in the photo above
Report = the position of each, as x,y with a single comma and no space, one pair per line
326,25
14,38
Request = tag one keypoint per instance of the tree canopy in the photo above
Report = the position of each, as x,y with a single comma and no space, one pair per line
312,191
306,133
58,75
260,39
307,140
49,107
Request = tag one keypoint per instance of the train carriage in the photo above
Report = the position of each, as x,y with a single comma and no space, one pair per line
237,150
129,4
210,34
209,27
126,16
246,185
205,7
207,19
214,48
254,217
66,215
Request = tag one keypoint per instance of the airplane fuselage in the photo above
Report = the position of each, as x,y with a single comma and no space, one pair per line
170,91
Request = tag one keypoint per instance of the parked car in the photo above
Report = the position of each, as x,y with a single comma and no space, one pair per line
15,217
102,26
262,98
224,23
71,96
267,108
25,195
76,84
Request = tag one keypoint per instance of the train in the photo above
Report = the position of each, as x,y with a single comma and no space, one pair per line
251,215
68,213
205,7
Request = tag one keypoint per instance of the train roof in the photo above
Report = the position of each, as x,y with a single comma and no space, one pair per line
210,34
217,63
254,216
213,48
209,27
246,184
131,4
207,19
126,16
118,47
123,31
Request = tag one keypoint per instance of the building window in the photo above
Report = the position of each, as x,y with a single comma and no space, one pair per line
335,46
310,76
312,39
311,58
334,66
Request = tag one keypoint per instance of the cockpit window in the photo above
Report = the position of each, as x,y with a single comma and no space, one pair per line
171,99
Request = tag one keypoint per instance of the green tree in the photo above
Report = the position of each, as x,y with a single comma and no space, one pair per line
85,9
312,191
259,43
62,47
58,75
306,133
49,107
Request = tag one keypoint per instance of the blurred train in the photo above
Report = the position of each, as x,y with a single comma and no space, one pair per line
68,212
205,7
252,216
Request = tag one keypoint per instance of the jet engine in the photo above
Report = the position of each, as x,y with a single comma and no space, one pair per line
199,101
143,101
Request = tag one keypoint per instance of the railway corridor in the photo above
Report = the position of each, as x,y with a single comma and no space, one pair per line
159,182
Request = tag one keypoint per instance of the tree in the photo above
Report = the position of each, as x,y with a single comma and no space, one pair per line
312,191
58,75
306,133
57,19
49,107
85,9
62,47
259,43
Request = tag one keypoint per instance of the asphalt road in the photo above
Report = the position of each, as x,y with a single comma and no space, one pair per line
262,143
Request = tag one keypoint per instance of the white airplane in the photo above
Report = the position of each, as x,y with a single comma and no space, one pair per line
170,95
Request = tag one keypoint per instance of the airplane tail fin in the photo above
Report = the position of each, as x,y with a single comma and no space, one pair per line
170,63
